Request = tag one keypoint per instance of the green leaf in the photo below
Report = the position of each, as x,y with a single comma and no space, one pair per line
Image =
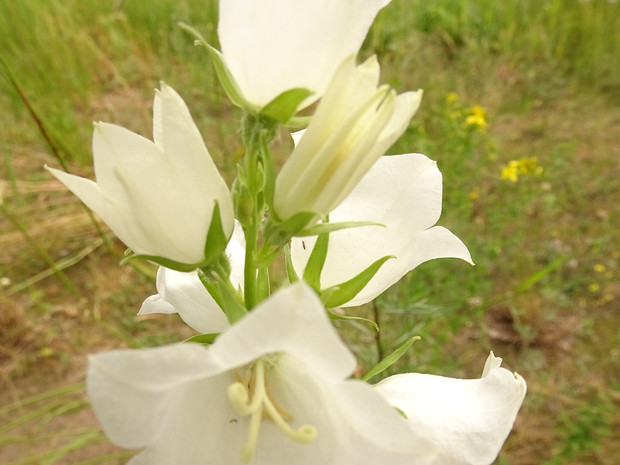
203,338
314,266
217,240
390,359
161,261
336,316
262,284
284,106
279,233
290,270
342,293
223,73
323,228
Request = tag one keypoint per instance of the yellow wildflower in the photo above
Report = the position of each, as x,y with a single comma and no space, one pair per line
511,171
476,118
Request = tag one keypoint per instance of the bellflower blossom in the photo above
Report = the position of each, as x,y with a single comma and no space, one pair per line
354,124
402,193
158,197
184,293
273,389
272,46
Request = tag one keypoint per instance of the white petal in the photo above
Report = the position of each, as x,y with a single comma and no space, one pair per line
276,45
185,294
310,336
466,420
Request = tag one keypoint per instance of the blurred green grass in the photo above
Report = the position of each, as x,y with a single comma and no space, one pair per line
544,292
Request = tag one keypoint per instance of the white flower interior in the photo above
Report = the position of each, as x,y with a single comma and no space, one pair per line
252,395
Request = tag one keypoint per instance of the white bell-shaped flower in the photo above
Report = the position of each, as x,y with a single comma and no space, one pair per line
158,197
403,194
272,46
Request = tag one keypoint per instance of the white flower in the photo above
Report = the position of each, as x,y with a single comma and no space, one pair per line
354,124
158,197
184,293
273,389
272,46
466,420
403,193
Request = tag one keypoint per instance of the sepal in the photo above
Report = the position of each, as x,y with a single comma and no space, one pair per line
207,339
217,239
342,293
223,73
284,106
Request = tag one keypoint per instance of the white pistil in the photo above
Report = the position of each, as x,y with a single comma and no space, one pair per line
255,404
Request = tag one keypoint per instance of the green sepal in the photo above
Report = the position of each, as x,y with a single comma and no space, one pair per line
290,269
390,359
203,338
298,122
340,294
335,316
314,266
284,106
165,262
279,233
325,228
262,284
223,73
217,240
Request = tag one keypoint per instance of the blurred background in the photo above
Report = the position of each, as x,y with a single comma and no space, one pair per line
522,112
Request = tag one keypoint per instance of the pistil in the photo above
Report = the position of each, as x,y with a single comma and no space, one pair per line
253,399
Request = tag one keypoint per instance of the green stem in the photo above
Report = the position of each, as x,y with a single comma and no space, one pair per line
250,269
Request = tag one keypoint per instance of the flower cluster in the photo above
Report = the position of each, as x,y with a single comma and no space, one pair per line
268,380
527,166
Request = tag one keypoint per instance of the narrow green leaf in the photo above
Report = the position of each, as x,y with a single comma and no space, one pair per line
336,316
323,228
223,73
284,106
533,279
342,293
217,240
84,440
290,270
161,261
203,338
314,267
390,359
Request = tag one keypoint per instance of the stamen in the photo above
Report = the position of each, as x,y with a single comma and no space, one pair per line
252,399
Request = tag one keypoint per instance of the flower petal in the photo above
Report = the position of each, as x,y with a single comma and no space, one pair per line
185,294
310,337
466,420
277,45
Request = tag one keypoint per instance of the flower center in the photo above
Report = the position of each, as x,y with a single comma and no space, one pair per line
250,396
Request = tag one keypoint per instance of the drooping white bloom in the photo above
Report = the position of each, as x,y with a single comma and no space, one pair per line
275,45
466,420
403,193
273,389
354,124
184,293
158,197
